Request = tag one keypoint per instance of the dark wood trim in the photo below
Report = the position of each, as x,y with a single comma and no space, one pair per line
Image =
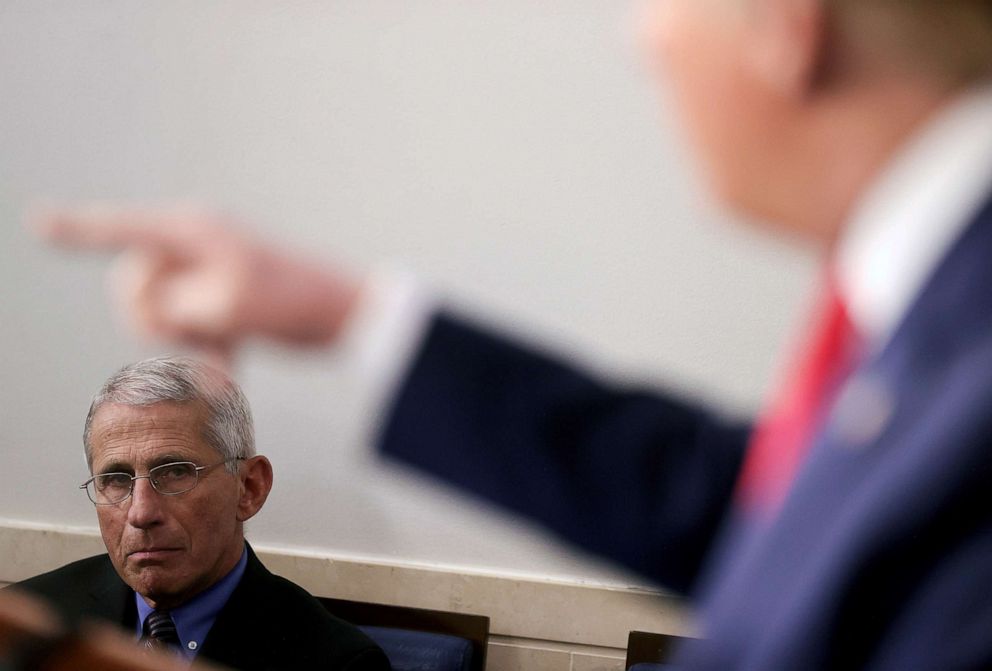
643,646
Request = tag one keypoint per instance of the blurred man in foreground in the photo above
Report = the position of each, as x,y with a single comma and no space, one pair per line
852,528
171,448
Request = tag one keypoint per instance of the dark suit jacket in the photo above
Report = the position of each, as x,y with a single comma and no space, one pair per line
268,623
882,556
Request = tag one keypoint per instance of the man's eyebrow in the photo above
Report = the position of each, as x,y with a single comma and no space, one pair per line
169,458
117,467
125,467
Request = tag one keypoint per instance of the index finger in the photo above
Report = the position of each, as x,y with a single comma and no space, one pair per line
110,228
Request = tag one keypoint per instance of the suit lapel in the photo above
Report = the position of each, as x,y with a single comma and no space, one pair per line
235,639
111,599
874,504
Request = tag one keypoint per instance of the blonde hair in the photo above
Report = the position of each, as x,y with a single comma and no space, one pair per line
948,39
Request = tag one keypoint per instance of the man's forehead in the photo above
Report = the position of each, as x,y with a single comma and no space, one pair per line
110,416
164,426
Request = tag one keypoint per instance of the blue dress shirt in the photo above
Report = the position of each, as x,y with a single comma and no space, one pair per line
194,618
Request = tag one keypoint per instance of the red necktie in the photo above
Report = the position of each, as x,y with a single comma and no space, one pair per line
786,429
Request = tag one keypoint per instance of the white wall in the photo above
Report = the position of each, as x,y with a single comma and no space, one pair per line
513,153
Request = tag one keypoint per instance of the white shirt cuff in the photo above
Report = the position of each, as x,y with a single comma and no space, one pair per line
381,338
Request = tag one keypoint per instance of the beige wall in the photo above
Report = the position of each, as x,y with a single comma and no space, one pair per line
536,625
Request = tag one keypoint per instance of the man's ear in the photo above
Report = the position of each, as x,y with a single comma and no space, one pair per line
256,482
788,44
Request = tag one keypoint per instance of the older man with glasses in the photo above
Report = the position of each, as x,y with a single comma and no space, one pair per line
170,446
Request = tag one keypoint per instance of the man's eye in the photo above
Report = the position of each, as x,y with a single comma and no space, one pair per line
172,472
114,481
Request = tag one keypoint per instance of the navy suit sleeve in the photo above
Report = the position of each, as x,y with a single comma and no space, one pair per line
631,475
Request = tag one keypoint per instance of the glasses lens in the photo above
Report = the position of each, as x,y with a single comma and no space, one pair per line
109,487
174,478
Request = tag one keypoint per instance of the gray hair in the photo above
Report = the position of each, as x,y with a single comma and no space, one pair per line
228,428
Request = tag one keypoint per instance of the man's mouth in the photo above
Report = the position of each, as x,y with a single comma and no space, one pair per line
152,554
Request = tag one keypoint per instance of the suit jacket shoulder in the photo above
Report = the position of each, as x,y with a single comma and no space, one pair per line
268,623
272,623
88,588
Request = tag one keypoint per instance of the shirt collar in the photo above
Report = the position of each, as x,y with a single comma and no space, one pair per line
194,618
912,215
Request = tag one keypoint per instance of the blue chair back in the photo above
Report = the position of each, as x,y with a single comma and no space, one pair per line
410,650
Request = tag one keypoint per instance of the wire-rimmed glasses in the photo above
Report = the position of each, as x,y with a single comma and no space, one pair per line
177,477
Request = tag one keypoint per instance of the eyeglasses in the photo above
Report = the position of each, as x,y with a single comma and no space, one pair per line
177,477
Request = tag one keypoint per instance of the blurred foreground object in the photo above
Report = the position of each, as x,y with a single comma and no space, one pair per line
189,277
33,639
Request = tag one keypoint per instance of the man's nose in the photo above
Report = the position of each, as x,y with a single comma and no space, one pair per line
145,505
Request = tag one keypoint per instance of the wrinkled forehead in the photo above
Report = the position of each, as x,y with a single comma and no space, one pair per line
143,436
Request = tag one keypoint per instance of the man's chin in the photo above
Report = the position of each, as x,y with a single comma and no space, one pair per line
159,585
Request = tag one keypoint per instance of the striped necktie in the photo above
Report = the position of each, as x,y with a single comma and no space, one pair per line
160,631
